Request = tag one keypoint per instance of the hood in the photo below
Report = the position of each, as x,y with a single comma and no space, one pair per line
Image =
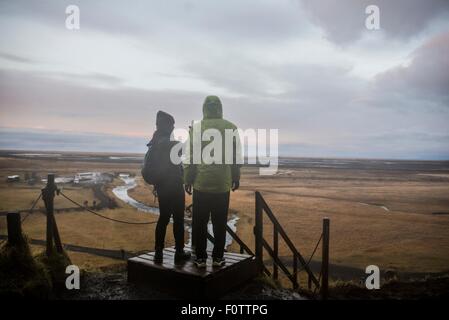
212,108
164,122
164,127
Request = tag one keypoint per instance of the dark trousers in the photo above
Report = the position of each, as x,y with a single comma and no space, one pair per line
171,204
215,206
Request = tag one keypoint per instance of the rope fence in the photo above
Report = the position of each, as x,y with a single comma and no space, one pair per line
310,259
102,216
36,201
314,251
32,207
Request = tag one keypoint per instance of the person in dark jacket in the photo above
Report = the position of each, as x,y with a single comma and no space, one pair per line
169,188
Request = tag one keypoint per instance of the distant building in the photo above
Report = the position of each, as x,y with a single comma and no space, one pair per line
13,178
84,176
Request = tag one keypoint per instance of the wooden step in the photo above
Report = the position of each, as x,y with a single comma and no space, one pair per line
187,280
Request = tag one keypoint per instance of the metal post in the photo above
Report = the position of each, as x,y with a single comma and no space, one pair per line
325,260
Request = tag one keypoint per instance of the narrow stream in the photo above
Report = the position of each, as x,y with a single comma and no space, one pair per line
121,192
375,205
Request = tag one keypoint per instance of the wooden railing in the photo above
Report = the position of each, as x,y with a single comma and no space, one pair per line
299,263
273,251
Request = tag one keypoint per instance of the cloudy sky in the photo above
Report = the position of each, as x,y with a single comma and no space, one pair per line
310,68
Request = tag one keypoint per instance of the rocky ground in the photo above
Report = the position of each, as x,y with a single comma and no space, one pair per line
111,284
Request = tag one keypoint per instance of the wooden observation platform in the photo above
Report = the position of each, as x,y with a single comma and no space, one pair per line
188,281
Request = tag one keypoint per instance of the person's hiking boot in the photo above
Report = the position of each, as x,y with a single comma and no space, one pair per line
218,262
181,256
200,263
158,256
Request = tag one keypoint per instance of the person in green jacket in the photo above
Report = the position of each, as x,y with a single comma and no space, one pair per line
211,182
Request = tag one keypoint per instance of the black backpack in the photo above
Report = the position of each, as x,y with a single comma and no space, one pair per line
149,171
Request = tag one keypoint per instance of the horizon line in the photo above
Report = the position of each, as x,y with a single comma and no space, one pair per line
2,150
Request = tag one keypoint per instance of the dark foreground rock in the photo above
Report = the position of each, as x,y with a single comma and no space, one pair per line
429,287
111,284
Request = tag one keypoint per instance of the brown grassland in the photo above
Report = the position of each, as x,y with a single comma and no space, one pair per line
409,237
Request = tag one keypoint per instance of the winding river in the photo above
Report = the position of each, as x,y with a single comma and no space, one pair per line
121,192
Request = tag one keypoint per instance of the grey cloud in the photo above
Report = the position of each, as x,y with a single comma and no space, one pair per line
48,140
319,127
427,76
27,95
322,110
344,21
386,145
408,144
225,20
287,81
87,78
15,58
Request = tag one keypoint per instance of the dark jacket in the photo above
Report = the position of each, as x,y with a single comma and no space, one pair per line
169,176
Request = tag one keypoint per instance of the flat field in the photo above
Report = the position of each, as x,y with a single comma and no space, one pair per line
396,219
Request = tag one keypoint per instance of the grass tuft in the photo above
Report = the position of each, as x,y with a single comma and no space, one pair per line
55,265
22,276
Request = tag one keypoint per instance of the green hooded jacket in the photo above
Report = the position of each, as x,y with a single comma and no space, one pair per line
212,178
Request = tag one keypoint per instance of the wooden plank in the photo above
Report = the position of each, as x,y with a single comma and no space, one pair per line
165,280
275,251
48,194
295,272
227,255
228,259
189,281
15,236
186,267
243,246
325,260
258,229
240,256
235,276
171,268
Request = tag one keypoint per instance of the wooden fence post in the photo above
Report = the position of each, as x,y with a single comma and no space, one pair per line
14,223
258,231
295,272
325,260
48,195
276,251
